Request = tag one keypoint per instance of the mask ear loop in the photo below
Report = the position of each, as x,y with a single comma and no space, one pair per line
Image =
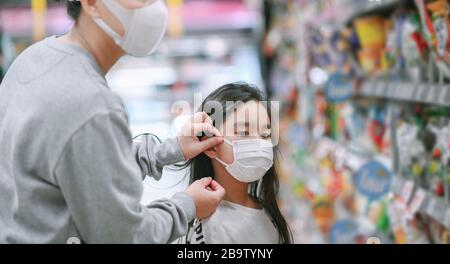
114,8
234,154
222,162
120,12
109,31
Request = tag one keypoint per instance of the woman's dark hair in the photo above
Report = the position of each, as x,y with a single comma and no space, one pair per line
265,190
73,9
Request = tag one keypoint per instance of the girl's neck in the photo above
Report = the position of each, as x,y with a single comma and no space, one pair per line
236,191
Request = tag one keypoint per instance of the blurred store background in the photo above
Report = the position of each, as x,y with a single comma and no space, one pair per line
364,86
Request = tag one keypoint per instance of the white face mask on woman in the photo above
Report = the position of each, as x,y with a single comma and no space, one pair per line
252,159
144,27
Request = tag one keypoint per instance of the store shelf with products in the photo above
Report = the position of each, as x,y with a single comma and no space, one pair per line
416,199
371,84
340,13
364,8
424,93
328,191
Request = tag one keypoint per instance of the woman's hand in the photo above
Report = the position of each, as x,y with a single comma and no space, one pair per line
190,144
207,195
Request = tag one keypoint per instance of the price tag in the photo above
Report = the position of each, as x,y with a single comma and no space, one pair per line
397,185
430,94
442,94
440,211
410,92
406,193
393,213
447,218
406,134
417,201
422,93
440,25
431,206
447,96
437,209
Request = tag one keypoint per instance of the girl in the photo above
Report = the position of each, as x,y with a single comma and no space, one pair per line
244,166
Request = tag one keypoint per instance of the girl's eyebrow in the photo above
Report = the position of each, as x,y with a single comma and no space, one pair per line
246,124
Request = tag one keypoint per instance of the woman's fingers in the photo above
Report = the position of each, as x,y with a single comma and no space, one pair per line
207,128
215,186
210,143
201,117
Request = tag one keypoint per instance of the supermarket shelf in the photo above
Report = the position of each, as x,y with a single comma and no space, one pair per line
434,206
371,7
353,155
437,94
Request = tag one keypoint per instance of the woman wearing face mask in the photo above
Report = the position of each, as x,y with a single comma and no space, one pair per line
244,166
69,170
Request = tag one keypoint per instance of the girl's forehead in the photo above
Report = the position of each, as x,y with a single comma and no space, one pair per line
251,111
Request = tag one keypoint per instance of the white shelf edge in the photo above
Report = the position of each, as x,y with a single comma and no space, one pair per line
435,94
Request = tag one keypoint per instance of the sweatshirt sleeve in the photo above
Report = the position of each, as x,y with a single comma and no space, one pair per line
151,155
102,186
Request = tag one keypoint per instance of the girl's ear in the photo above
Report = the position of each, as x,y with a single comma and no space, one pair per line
91,7
212,152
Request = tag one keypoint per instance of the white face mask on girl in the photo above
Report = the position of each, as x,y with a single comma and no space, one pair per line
252,159
144,27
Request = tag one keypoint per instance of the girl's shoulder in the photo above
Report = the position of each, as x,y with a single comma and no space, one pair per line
226,225
195,233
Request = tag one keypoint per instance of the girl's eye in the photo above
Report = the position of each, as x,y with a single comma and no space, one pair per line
266,136
243,133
